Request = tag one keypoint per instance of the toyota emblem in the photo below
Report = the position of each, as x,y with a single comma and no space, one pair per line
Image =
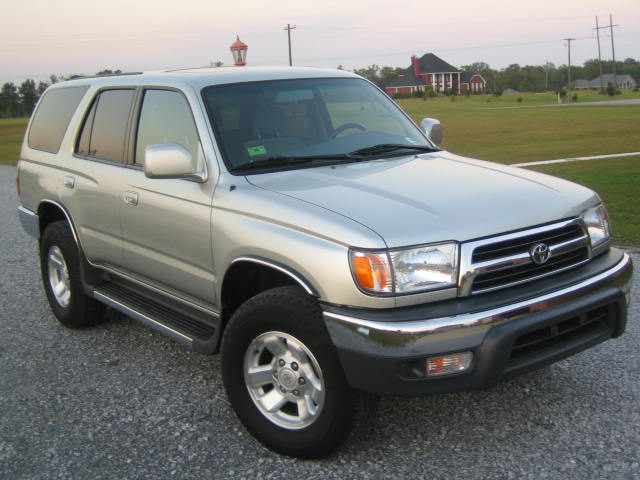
540,253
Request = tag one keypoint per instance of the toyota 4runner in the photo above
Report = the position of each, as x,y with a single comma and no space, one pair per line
299,222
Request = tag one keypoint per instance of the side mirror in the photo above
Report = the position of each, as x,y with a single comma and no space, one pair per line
172,160
433,129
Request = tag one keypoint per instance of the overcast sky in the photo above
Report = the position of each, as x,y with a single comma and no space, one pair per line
40,37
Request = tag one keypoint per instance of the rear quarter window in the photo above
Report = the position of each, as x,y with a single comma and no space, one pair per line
51,118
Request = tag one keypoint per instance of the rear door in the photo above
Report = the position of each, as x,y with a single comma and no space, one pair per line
93,179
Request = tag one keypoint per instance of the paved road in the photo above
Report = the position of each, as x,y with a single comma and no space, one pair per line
605,103
120,401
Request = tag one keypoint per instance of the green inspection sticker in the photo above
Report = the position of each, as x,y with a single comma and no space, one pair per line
257,150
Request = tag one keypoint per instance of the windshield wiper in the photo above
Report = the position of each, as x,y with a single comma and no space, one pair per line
283,161
390,147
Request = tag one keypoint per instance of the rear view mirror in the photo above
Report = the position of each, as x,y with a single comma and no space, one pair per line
171,160
433,129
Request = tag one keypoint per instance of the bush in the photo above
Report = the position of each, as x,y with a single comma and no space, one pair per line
417,93
430,92
574,97
519,99
562,92
611,90
497,93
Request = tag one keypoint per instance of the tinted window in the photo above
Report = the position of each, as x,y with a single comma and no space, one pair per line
51,119
165,117
298,119
104,132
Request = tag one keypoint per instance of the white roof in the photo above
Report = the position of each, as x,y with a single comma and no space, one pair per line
202,77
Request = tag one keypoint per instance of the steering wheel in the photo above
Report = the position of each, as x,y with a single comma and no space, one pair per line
346,126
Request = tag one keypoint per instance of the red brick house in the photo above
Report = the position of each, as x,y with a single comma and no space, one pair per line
432,70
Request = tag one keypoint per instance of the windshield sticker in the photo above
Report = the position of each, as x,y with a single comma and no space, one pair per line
257,150
411,140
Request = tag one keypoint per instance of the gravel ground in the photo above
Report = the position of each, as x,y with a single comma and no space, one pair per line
121,401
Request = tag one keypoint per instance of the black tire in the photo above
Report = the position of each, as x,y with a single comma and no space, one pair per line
286,316
60,267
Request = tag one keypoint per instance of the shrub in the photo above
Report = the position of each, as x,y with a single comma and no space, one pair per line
519,99
417,93
611,90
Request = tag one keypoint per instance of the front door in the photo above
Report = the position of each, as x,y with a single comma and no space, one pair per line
166,223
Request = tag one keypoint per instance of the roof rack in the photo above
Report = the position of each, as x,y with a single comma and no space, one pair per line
122,74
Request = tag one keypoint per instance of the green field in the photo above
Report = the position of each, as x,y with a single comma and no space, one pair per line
617,180
11,132
480,127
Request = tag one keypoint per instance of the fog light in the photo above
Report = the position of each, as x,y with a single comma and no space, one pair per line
447,364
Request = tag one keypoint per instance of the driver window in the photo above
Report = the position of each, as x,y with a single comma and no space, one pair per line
165,117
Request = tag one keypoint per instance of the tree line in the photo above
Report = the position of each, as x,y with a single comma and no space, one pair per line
528,78
19,101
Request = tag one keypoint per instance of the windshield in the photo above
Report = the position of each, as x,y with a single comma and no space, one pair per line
287,123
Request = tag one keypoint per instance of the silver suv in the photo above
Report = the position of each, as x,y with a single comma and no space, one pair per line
299,222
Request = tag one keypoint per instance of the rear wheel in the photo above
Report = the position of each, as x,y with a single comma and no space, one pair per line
283,377
60,266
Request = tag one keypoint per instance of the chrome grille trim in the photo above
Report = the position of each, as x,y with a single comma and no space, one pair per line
470,271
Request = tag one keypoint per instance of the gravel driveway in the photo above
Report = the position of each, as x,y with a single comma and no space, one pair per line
121,401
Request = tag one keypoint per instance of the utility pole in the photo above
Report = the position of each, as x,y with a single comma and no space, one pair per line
597,29
288,29
613,52
569,69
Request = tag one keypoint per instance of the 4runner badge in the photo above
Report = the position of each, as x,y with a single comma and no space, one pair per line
540,253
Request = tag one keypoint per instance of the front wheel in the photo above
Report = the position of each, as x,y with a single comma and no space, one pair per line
283,376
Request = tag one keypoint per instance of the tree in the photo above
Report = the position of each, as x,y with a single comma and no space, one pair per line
28,96
108,71
9,101
371,73
42,86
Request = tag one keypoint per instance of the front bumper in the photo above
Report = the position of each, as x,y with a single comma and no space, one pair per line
379,349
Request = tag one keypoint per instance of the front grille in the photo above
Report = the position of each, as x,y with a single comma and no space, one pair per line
507,260
575,330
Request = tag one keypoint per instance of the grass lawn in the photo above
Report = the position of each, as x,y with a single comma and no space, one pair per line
472,127
617,180
11,133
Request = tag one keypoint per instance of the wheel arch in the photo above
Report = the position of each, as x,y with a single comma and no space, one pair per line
248,276
49,212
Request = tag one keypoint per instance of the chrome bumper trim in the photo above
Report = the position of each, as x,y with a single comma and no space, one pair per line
30,221
412,337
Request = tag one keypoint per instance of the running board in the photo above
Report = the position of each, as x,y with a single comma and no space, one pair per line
189,327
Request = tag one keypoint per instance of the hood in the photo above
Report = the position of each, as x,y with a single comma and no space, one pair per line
433,197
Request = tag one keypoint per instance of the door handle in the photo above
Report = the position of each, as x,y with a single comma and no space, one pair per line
130,198
69,181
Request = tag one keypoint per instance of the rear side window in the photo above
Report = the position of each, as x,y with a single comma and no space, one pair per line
51,119
104,131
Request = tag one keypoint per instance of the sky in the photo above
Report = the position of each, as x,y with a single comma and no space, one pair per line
63,37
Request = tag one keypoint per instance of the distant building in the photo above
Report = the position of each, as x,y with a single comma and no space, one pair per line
625,82
430,70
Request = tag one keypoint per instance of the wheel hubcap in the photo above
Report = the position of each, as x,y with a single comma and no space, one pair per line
59,277
284,380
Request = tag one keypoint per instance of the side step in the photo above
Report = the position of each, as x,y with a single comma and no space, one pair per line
190,326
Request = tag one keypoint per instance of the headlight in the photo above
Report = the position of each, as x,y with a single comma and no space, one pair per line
597,221
410,270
